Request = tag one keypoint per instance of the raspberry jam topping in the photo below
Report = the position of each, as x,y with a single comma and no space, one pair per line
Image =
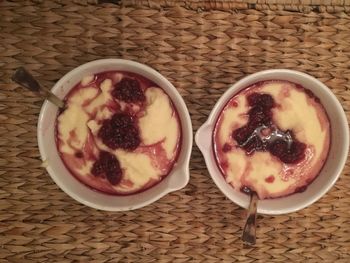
260,116
295,153
107,166
128,90
120,132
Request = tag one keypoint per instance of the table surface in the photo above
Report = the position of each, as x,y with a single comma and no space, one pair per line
201,48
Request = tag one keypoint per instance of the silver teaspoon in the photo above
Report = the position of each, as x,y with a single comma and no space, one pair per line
26,80
275,134
249,230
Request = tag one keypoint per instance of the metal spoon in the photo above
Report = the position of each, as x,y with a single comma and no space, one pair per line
26,80
274,135
249,230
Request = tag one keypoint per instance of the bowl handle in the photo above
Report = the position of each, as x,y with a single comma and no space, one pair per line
203,138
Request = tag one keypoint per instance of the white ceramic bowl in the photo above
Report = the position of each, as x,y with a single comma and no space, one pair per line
177,179
332,168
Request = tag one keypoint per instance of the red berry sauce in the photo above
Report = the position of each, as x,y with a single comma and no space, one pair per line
129,90
260,114
121,132
108,166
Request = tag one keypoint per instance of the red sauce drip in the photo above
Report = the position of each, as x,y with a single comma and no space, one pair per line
79,154
226,148
270,179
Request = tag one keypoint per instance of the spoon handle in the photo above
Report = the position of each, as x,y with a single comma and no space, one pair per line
26,80
249,230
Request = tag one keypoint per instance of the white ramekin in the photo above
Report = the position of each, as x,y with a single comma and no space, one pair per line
177,179
332,168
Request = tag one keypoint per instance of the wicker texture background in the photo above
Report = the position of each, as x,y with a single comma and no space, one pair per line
201,51
289,5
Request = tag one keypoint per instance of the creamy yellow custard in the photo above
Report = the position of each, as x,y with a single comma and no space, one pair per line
119,133
276,168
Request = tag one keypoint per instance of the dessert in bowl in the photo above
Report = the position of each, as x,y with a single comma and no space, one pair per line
119,132
279,133
122,141
272,168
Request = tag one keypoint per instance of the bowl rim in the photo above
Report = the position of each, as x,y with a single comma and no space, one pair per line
185,117
240,85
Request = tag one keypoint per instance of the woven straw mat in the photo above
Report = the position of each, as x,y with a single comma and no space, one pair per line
201,50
